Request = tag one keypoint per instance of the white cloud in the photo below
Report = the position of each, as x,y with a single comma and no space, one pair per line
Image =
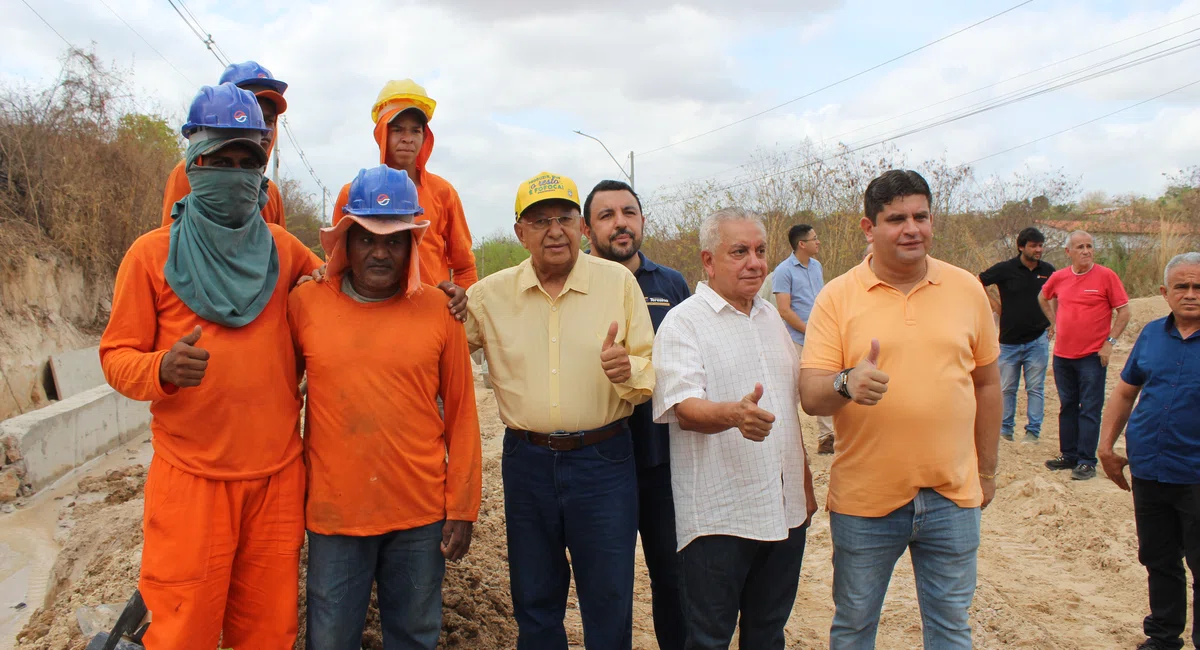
513,79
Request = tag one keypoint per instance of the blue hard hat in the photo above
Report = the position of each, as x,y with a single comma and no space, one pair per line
225,107
383,192
251,72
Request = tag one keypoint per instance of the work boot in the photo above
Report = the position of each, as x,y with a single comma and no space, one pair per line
1060,463
1031,438
825,446
1007,436
1083,472
1155,644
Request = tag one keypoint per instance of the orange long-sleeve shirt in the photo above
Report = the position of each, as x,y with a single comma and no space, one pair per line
179,187
446,245
242,421
379,456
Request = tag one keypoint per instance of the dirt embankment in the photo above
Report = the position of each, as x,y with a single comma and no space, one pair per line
46,306
1057,565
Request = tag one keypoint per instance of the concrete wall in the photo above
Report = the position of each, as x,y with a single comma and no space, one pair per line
66,434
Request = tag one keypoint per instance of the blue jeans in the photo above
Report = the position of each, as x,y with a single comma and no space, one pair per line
656,523
1081,394
406,565
1032,357
723,576
942,539
584,501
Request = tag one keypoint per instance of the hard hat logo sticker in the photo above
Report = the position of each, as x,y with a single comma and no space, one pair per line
383,199
240,116
262,75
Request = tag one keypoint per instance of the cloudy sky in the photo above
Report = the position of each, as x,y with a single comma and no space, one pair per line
514,78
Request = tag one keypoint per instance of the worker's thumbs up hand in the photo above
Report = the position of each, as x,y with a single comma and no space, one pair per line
867,383
185,363
614,358
754,422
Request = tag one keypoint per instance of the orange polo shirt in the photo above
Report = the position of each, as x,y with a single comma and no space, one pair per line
379,456
179,187
922,433
242,421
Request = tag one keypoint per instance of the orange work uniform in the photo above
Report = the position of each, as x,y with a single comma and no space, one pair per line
446,245
223,519
379,457
179,187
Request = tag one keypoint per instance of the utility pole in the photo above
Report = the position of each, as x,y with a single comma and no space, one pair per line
628,175
275,171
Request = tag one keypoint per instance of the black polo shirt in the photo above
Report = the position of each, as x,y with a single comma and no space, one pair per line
664,288
1021,317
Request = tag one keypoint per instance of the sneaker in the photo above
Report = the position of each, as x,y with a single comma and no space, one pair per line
1083,472
1031,438
825,446
1154,644
1060,463
1007,436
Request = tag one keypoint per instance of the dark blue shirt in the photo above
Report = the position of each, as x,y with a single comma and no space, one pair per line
1163,435
664,288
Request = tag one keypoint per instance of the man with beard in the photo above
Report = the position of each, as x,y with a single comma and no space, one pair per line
1024,339
613,223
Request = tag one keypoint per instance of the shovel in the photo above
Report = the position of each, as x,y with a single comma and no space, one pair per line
127,633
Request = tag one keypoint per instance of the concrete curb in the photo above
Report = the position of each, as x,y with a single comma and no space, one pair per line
66,434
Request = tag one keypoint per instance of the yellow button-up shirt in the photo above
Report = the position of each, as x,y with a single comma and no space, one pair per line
543,353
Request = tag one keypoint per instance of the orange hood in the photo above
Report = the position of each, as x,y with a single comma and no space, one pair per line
381,132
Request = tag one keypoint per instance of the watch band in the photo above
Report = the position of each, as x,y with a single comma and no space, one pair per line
840,383
1110,340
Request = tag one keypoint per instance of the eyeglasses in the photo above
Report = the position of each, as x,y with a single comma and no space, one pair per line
542,224
808,240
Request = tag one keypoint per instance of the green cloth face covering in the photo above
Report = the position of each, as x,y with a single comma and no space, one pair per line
222,263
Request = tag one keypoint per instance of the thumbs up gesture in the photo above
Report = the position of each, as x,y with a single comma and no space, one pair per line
615,358
184,364
754,422
867,383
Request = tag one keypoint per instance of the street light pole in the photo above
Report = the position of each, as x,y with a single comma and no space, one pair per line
628,175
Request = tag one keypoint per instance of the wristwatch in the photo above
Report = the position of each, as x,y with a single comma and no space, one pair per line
1110,340
840,383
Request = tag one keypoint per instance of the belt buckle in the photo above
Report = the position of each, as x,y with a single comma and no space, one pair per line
560,440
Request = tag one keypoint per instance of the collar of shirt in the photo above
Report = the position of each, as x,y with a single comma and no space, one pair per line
718,303
577,280
796,262
1042,265
1173,331
867,278
646,266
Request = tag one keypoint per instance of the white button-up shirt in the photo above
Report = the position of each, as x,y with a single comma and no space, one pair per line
723,483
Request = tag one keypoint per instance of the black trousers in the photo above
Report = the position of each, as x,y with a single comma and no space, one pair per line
1168,530
656,523
723,576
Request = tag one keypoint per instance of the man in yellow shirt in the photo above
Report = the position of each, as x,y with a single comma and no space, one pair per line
568,341
901,351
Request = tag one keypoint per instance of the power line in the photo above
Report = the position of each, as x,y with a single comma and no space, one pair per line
725,171
160,54
35,12
1082,124
212,43
839,82
303,158
1027,73
205,38
849,150
1019,95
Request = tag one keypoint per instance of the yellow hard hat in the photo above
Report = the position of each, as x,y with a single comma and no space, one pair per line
404,93
543,187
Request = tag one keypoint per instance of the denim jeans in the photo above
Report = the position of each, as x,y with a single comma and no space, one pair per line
942,539
656,524
723,576
1168,531
406,565
1080,385
1032,358
583,501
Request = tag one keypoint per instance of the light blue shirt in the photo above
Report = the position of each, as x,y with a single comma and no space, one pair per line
802,283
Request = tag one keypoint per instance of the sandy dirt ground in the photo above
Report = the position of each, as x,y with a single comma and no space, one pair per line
1057,566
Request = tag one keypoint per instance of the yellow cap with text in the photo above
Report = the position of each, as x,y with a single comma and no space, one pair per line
543,187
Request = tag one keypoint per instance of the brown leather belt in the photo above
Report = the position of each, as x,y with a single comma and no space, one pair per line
569,441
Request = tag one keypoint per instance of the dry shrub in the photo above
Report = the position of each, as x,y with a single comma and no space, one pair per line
79,174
